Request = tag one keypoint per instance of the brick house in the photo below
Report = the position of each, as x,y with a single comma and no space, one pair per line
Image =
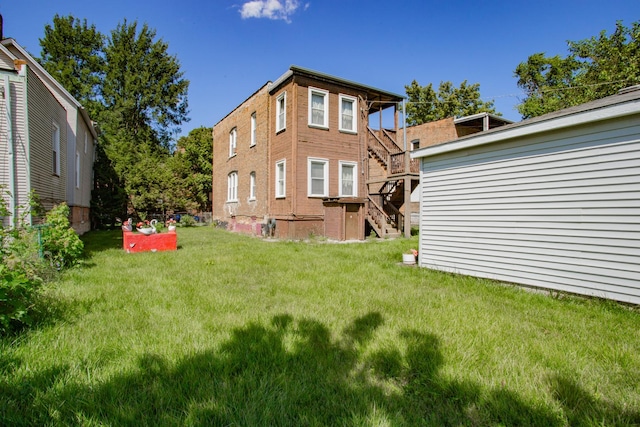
302,157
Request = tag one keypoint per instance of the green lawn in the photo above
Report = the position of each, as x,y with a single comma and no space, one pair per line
233,330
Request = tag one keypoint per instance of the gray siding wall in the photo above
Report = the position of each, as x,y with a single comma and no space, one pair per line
559,210
6,63
44,110
17,92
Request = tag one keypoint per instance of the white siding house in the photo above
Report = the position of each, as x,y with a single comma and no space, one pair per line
550,202
47,140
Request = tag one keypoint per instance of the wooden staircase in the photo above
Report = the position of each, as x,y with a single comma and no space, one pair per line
386,194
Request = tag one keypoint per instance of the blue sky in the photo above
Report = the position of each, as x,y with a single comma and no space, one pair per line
230,48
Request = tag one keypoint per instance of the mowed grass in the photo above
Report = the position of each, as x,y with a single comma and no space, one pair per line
238,331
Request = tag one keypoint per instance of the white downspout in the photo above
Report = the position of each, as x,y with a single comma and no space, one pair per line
12,166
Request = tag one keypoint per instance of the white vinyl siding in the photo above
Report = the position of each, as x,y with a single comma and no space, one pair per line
281,179
318,177
555,210
318,108
281,112
348,116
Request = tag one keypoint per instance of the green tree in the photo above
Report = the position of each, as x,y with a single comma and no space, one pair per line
191,166
426,105
145,97
594,68
73,53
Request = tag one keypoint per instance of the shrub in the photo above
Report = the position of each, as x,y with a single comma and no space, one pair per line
187,221
17,293
60,243
22,267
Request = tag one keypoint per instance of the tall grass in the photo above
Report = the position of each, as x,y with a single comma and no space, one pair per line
233,330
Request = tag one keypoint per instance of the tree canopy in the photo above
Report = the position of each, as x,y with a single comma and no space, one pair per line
138,95
426,105
73,53
594,68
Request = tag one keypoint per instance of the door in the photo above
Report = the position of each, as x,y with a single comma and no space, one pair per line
351,222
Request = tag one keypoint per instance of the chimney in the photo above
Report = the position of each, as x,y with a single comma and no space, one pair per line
1,32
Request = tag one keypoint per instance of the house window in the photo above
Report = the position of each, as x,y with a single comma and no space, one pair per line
318,108
281,112
415,144
348,179
77,169
254,127
318,177
232,187
281,183
233,136
252,188
55,142
348,118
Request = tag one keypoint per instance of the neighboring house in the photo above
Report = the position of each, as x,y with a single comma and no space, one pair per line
300,154
550,202
439,131
47,140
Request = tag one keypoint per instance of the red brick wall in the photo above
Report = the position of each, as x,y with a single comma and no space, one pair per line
246,160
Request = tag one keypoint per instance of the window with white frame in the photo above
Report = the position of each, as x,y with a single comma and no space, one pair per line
77,169
348,117
254,127
232,187
55,142
348,179
318,177
318,108
252,186
281,112
415,144
281,182
233,137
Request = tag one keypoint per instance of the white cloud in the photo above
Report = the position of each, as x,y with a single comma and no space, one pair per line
271,9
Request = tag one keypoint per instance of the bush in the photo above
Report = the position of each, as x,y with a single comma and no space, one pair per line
22,267
17,293
187,221
60,243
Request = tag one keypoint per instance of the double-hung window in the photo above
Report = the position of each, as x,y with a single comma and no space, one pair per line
281,183
77,169
55,142
254,127
233,139
348,117
318,177
252,186
348,179
318,108
281,112
232,187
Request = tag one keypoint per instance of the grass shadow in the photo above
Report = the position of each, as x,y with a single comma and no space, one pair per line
100,240
289,372
582,408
